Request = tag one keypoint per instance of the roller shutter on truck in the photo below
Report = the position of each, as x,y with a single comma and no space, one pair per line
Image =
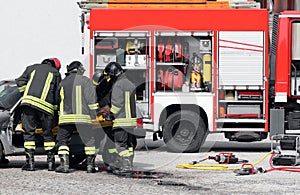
241,58
241,82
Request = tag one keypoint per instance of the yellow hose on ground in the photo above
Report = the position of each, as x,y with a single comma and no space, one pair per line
263,158
217,167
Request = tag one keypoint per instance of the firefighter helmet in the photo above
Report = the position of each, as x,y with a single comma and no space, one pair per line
113,69
76,66
52,61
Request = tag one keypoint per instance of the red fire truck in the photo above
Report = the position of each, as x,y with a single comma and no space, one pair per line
201,71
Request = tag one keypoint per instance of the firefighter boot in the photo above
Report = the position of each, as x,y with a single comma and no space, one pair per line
29,165
131,157
64,164
51,160
90,167
125,168
127,164
131,162
112,162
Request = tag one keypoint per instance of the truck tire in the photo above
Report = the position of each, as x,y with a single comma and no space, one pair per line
184,131
2,156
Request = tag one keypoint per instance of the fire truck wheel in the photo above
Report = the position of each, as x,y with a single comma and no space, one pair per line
184,131
2,156
134,142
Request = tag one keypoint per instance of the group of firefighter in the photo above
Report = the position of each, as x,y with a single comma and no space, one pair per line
77,102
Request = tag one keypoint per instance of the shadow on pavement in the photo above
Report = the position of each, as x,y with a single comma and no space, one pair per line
208,146
40,165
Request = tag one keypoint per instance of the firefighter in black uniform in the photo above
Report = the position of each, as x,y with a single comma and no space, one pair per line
103,91
39,83
77,109
123,112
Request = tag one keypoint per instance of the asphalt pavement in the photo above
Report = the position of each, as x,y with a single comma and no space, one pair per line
164,176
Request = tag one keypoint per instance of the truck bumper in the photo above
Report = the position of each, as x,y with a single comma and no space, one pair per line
139,133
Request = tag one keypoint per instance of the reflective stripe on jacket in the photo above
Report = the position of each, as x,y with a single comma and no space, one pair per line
39,83
77,100
123,103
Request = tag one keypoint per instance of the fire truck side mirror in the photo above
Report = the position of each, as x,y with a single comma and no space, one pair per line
82,21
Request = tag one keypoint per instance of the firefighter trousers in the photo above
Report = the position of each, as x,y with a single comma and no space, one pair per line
33,119
109,152
124,143
86,133
99,137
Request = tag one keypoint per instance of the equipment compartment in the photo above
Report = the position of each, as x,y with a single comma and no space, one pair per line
243,111
240,103
131,50
293,120
183,61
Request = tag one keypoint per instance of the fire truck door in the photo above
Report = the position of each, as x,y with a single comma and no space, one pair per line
295,61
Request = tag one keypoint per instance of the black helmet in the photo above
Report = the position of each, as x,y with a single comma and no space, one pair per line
76,66
113,69
52,61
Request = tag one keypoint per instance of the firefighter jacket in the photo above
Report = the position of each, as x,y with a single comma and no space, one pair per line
39,83
77,99
123,103
103,90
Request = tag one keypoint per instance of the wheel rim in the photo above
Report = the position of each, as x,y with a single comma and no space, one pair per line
183,132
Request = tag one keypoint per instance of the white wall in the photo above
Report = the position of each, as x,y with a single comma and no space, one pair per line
32,30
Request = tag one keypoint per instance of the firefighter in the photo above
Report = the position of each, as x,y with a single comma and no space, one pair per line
39,83
123,112
103,91
77,109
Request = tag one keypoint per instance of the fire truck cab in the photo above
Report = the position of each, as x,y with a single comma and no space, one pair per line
199,71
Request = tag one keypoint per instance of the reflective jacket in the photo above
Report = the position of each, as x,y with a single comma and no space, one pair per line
123,103
77,98
39,83
103,91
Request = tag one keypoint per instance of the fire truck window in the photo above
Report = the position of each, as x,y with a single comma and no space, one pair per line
295,40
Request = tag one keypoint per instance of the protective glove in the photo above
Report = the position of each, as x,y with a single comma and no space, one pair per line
105,110
110,117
